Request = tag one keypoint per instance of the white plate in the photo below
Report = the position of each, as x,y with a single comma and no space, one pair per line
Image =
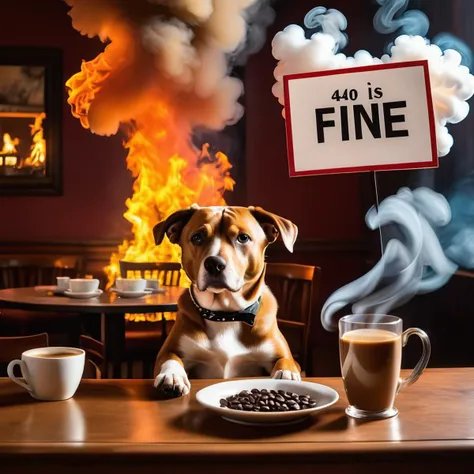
132,294
210,398
83,296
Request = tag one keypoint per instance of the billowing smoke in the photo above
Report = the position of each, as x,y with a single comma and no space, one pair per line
412,265
452,84
171,51
393,16
457,238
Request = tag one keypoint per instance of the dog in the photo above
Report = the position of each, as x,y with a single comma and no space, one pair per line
226,322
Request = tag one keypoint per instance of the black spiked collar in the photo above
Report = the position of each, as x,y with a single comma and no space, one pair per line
246,315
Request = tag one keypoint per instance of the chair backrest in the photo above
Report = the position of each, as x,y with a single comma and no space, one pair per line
94,356
12,347
294,286
168,273
17,271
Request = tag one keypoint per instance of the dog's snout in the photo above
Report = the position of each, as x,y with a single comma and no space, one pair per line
214,265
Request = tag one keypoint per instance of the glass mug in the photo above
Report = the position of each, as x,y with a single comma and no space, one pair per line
370,347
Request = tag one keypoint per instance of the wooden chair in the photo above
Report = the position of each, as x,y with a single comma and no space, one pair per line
94,350
18,271
294,287
12,348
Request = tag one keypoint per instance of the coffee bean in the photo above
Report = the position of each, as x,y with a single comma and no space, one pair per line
267,401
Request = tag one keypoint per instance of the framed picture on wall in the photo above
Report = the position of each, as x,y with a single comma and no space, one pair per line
31,93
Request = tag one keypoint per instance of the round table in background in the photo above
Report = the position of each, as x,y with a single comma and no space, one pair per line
110,306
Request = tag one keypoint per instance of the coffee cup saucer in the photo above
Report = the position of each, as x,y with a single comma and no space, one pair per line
50,289
156,291
83,295
131,294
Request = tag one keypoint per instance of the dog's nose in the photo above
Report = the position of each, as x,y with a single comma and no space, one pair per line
214,265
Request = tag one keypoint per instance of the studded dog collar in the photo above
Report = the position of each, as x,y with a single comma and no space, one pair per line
246,315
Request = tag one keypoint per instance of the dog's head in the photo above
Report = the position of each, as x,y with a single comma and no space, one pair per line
223,247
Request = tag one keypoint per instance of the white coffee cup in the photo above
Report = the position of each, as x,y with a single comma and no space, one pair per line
130,284
62,283
153,284
84,285
50,373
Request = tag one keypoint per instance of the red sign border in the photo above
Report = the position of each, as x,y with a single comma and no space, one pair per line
434,163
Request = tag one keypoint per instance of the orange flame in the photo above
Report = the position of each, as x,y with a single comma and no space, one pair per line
38,147
170,173
9,144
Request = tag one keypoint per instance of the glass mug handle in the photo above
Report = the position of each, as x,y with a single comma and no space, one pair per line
24,373
422,363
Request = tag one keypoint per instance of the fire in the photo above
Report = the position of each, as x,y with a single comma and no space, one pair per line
37,156
170,172
9,144
38,147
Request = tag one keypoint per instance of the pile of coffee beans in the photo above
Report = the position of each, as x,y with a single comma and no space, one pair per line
267,401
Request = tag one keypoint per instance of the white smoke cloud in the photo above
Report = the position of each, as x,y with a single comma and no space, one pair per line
414,265
452,84
168,51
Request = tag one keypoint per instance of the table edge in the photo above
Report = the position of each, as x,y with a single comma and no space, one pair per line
203,449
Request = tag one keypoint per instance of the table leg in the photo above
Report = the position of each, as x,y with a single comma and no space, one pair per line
113,338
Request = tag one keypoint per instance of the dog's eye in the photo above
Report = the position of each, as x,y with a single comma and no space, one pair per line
243,238
197,238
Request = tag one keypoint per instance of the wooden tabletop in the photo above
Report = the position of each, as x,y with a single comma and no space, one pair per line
44,300
122,419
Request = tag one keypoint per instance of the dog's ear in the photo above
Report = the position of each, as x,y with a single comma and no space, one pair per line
275,226
173,225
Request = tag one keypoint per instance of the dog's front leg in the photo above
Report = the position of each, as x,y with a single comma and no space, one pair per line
286,368
171,378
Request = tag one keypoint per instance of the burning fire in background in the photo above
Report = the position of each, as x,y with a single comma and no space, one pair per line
163,73
37,155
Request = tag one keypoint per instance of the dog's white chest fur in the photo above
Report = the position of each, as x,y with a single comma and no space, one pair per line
223,355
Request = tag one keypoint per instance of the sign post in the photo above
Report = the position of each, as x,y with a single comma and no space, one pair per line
369,118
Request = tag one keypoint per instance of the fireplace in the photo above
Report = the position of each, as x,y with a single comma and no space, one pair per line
30,125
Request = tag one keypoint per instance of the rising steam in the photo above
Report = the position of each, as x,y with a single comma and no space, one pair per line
414,265
452,84
173,49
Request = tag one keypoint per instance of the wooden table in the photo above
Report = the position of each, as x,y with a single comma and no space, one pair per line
119,426
111,307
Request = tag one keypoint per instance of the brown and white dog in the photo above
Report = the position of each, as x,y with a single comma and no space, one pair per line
226,324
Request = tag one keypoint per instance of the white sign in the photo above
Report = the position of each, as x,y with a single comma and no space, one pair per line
369,118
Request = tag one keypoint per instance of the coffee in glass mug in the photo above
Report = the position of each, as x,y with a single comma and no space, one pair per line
371,356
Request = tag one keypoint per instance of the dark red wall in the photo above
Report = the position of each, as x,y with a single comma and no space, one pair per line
96,181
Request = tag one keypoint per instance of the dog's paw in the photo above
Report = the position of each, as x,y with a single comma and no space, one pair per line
172,380
287,375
